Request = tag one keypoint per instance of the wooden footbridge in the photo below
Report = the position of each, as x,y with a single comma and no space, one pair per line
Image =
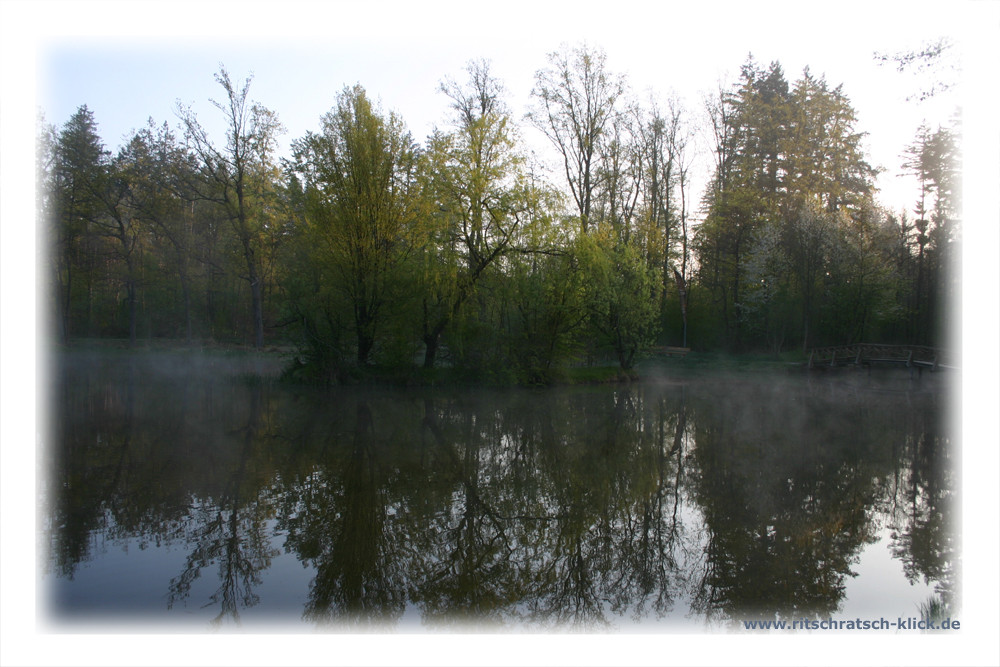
865,354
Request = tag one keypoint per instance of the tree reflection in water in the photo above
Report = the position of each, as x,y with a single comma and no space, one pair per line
652,537
356,581
469,565
584,508
924,513
231,532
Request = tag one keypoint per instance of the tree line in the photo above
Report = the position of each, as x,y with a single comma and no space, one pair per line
366,247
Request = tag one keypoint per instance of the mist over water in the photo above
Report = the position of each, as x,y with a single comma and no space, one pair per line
196,491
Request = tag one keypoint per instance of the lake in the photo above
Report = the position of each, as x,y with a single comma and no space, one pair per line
194,491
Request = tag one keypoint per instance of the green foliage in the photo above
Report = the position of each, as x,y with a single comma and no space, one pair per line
360,202
767,303
480,201
368,250
621,294
932,242
240,178
544,316
794,247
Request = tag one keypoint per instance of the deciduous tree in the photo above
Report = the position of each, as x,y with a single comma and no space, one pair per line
481,197
577,98
240,176
360,175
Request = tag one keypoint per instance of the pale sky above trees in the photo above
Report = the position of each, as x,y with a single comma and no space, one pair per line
400,52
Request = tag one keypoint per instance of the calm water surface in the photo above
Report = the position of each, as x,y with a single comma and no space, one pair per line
178,491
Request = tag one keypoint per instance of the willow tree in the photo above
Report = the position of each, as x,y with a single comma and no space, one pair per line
621,294
362,204
240,176
478,180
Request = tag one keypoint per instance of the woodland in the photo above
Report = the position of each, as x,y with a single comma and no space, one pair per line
367,248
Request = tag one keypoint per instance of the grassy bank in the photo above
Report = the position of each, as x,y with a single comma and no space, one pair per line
283,361
713,362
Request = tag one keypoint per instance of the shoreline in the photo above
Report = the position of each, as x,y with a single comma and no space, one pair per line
281,359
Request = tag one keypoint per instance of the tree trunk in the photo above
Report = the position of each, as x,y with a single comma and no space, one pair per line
66,304
258,312
430,350
130,288
365,344
186,289
256,294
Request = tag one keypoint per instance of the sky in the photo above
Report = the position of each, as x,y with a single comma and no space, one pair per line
400,52
129,61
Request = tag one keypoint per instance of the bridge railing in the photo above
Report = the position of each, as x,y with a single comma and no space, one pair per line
871,353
